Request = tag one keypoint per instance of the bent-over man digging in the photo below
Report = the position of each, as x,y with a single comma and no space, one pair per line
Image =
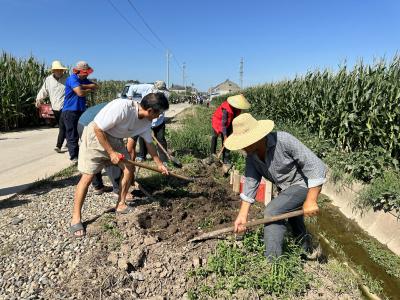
102,144
292,167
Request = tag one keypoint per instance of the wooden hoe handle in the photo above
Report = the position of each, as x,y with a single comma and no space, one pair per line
230,229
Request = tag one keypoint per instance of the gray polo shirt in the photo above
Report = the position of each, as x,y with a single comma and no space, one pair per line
287,162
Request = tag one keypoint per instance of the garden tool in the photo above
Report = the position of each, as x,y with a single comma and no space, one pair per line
266,220
174,160
145,166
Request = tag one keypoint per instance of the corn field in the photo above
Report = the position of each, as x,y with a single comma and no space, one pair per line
20,80
107,91
357,109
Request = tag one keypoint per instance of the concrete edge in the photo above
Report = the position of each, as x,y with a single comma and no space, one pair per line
385,227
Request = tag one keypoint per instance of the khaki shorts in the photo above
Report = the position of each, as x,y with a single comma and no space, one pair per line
92,156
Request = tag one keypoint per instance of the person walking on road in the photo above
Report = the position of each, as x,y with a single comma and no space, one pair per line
221,122
282,159
137,92
77,86
54,88
102,145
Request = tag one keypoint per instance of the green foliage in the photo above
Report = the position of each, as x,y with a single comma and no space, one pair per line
382,194
382,256
236,266
107,91
20,81
194,136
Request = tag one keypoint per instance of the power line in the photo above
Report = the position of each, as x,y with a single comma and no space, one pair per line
145,23
153,32
132,26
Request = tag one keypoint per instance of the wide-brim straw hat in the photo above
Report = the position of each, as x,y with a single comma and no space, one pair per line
238,101
247,131
56,65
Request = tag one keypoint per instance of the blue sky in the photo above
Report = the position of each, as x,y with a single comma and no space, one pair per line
277,39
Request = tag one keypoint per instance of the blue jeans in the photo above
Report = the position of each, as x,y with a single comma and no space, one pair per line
290,199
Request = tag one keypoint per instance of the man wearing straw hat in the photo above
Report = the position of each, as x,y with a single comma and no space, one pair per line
222,124
54,88
292,167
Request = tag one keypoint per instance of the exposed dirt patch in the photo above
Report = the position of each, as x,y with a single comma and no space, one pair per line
146,253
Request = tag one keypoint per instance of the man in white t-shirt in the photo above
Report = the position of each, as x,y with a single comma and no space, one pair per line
102,144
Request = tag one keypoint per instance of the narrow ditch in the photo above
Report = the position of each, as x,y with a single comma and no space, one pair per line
344,232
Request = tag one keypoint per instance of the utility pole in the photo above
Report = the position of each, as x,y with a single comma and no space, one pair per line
183,75
241,73
168,56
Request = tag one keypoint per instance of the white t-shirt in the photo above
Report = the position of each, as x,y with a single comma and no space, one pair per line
119,118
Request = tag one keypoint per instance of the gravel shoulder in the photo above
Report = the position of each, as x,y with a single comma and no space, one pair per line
143,255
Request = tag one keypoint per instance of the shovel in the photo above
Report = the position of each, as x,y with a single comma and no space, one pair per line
266,220
145,166
174,160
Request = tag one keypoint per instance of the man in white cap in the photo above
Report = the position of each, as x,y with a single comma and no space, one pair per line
137,92
54,88
77,86
292,167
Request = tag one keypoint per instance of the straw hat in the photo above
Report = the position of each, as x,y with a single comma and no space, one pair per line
56,65
239,101
247,131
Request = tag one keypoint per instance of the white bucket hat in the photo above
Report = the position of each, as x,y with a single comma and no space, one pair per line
247,131
56,65
239,101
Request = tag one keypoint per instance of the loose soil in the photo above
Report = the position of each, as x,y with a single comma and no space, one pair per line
147,255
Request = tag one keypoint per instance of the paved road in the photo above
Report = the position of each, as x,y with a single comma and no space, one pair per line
27,156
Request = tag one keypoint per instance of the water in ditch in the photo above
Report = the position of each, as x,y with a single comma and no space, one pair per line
344,232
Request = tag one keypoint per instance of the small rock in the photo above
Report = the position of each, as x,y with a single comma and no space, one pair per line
138,276
113,258
196,262
125,249
122,264
16,221
149,240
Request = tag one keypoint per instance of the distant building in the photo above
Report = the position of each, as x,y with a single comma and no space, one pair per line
223,88
179,89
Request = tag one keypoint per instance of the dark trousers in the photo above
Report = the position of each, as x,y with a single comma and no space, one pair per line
290,199
61,128
214,141
113,172
71,119
159,133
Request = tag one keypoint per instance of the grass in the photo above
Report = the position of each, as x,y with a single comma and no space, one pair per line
382,256
237,266
109,226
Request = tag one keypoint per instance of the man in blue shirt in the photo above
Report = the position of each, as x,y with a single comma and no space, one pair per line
77,87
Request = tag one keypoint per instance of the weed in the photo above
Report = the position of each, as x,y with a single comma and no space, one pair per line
206,223
383,257
236,266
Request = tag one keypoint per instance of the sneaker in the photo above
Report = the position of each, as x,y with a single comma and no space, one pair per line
139,159
74,160
57,149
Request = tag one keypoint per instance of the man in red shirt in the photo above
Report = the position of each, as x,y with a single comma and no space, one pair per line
222,124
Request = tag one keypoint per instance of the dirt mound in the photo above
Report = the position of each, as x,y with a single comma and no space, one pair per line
146,254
